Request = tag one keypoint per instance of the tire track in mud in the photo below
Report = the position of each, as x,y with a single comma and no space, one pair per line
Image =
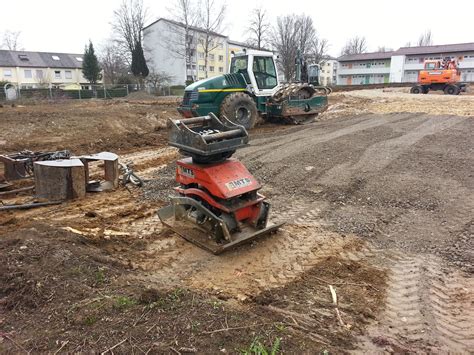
381,154
270,153
428,306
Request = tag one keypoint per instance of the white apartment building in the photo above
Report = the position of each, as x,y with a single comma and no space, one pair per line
163,44
402,65
28,70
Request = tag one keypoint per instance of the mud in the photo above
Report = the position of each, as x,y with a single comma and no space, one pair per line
377,205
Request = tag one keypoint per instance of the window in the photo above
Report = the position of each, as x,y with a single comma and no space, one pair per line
221,58
221,69
265,73
55,57
39,74
28,74
68,74
201,67
221,45
211,68
7,73
57,74
23,57
79,59
211,56
201,55
238,65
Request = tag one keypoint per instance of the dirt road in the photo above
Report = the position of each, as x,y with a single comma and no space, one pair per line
378,205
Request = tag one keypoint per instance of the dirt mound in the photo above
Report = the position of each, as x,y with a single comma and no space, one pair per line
85,126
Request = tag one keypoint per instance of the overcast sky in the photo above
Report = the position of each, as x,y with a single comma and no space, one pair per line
66,26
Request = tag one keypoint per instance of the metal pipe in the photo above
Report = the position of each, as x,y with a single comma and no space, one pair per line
29,205
193,120
234,133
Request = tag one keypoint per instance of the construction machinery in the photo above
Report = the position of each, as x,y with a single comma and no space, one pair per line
440,75
251,90
218,205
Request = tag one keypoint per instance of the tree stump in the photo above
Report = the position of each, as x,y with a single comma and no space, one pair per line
60,179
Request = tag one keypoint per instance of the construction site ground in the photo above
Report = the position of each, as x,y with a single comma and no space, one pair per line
378,199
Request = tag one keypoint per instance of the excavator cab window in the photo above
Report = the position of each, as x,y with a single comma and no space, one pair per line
431,66
264,72
238,65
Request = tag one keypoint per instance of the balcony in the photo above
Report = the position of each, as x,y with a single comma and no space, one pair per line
363,71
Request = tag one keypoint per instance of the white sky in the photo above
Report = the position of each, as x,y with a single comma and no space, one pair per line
66,26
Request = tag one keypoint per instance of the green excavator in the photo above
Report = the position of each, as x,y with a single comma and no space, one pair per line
252,90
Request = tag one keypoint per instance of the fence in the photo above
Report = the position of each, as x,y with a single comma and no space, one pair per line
91,92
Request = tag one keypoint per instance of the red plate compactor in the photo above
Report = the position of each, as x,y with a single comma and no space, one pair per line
218,205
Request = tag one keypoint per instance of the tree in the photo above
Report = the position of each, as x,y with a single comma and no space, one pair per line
139,67
285,42
158,79
425,39
384,49
259,28
11,40
180,39
128,23
90,65
355,45
294,33
319,50
211,20
112,62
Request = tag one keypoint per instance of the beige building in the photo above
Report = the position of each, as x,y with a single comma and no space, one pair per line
328,73
28,70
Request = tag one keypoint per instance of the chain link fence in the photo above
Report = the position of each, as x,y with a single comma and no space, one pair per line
10,92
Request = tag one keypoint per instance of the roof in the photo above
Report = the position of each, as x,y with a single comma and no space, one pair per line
441,49
180,24
39,59
444,48
246,45
365,56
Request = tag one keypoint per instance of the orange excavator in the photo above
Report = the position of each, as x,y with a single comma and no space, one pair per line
440,75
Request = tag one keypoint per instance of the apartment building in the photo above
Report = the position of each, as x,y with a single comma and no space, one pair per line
328,73
28,70
163,42
402,65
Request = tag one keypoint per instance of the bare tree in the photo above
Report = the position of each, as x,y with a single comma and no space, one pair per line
11,40
259,28
113,62
294,33
181,37
384,49
285,43
319,50
425,39
129,20
211,22
158,79
355,45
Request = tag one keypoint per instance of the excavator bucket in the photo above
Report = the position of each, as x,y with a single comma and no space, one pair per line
209,231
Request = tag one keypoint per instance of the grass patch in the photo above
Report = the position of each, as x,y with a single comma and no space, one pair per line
259,348
122,302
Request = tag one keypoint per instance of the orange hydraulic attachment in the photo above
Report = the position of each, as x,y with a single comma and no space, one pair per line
440,72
